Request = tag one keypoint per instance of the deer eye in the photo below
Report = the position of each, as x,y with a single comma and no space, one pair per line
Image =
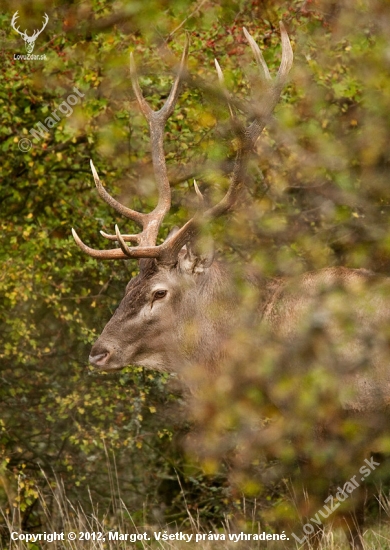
159,294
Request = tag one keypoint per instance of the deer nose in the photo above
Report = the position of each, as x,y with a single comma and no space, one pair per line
100,359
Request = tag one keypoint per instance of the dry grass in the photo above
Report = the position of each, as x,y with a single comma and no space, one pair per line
59,515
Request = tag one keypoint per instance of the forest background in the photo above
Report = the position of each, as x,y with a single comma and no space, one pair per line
320,197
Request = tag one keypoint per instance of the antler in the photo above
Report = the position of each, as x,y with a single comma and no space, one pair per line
13,22
150,222
24,34
38,32
167,252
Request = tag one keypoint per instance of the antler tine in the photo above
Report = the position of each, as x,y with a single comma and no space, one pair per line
199,195
221,79
127,238
167,109
117,253
169,105
287,55
143,104
121,241
113,254
274,88
133,215
258,55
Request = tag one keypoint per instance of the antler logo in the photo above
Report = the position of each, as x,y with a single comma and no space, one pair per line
30,40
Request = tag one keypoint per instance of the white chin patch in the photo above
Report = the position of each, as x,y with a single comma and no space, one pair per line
108,368
152,362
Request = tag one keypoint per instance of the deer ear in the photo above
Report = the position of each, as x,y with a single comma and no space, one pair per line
196,257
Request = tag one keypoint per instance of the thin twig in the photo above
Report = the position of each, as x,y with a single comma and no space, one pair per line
185,20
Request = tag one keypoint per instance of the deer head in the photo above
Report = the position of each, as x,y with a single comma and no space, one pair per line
30,40
179,308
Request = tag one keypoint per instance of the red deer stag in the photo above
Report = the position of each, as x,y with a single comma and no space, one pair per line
180,288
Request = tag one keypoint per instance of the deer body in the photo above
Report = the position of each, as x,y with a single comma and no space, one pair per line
351,308
195,318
